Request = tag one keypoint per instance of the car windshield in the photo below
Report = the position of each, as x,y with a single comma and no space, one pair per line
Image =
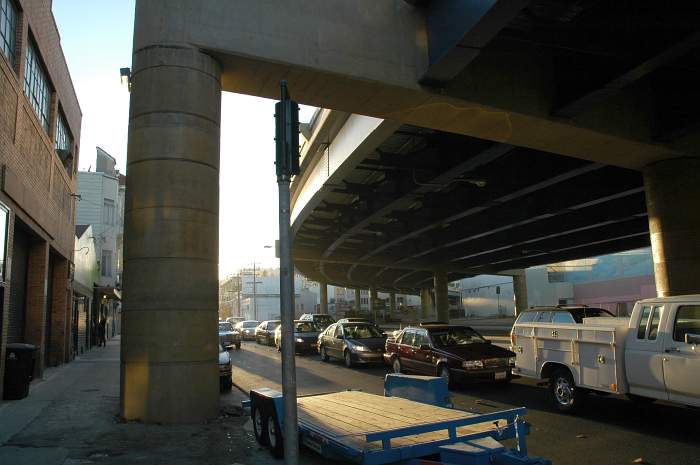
304,327
250,324
225,327
324,320
455,336
360,331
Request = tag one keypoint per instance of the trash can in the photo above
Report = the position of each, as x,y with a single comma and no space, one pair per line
19,369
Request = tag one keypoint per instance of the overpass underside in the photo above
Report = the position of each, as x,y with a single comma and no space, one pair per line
425,201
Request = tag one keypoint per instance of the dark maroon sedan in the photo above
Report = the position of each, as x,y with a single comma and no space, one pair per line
455,353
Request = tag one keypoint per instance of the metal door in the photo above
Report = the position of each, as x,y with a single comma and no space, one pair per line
18,285
406,350
644,354
422,358
681,360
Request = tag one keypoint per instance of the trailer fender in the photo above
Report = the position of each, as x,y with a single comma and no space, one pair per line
268,401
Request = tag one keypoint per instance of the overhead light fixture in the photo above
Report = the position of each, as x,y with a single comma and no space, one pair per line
125,75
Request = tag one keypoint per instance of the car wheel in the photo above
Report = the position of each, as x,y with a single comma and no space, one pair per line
324,354
396,366
563,391
444,373
348,358
259,425
238,345
274,436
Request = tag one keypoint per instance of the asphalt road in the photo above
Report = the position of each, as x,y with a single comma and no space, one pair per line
608,430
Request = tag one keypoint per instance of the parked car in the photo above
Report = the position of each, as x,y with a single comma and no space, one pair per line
353,343
225,370
235,319
653,354
247,329
455,353
265,332
361,320
305,336
228,335
321,320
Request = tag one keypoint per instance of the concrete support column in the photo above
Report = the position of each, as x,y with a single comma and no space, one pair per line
60,313
392,305
673,205
442,302
36,304
426,303
169,368
520,292
373,298
323,287
358,304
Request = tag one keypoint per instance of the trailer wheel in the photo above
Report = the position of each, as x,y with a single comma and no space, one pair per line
274,436
259,425
563,391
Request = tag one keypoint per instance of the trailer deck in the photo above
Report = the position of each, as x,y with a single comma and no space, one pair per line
348,417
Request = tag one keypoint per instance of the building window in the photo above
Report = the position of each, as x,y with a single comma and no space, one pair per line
36,86
106,265
64,142
8,29
108,212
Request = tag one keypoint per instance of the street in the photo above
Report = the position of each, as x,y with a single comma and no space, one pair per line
608,430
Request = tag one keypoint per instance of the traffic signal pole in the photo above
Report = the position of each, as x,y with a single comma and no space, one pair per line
287,161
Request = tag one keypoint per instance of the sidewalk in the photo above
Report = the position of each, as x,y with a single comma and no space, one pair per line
71,417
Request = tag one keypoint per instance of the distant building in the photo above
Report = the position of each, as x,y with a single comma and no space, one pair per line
39,136
85,275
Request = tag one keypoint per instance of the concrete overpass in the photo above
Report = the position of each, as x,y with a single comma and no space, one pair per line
595,95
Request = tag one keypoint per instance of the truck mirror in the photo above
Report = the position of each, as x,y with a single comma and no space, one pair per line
691,338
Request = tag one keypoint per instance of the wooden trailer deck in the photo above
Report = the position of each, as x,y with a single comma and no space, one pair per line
348,416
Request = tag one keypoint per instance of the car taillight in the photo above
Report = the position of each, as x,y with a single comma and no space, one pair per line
512,339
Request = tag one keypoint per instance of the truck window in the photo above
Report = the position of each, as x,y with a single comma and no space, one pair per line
687,322
544,317
526,317
642,329
654,325
563,317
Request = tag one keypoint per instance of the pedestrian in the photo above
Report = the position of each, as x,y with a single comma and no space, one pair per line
102,331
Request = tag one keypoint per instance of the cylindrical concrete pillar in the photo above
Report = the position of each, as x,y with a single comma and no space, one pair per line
426,303
392,306
520,292
169,371
358,301
373,298
673,205
323,288
442,302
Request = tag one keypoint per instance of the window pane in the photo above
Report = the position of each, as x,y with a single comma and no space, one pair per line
8,29
527,317
563,317
654,326
544,317
408,338
36,86
687,322
642,329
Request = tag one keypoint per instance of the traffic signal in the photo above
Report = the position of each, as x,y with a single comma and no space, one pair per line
287,135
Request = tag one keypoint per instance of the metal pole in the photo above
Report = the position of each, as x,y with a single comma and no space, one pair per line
255,300
289,380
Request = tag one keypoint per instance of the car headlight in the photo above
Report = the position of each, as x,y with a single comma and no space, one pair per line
299,339
472,364
511,361
359,348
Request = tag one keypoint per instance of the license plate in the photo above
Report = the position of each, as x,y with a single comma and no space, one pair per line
500,375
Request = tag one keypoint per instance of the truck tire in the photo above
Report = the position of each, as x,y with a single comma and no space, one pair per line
565,396
274,435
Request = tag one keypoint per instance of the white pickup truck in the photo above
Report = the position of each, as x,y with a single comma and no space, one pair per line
653,354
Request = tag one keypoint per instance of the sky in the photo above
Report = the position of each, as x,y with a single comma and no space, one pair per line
96,37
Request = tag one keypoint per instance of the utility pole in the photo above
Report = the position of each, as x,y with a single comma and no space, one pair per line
255,301
287,164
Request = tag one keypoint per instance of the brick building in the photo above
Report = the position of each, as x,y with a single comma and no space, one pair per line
39,133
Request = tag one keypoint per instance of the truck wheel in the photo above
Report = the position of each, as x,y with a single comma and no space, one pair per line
563,391
238,346
274,436
324,354
259,425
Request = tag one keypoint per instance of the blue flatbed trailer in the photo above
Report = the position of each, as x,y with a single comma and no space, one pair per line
368,429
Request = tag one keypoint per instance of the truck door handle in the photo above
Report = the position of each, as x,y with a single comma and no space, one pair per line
672,349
